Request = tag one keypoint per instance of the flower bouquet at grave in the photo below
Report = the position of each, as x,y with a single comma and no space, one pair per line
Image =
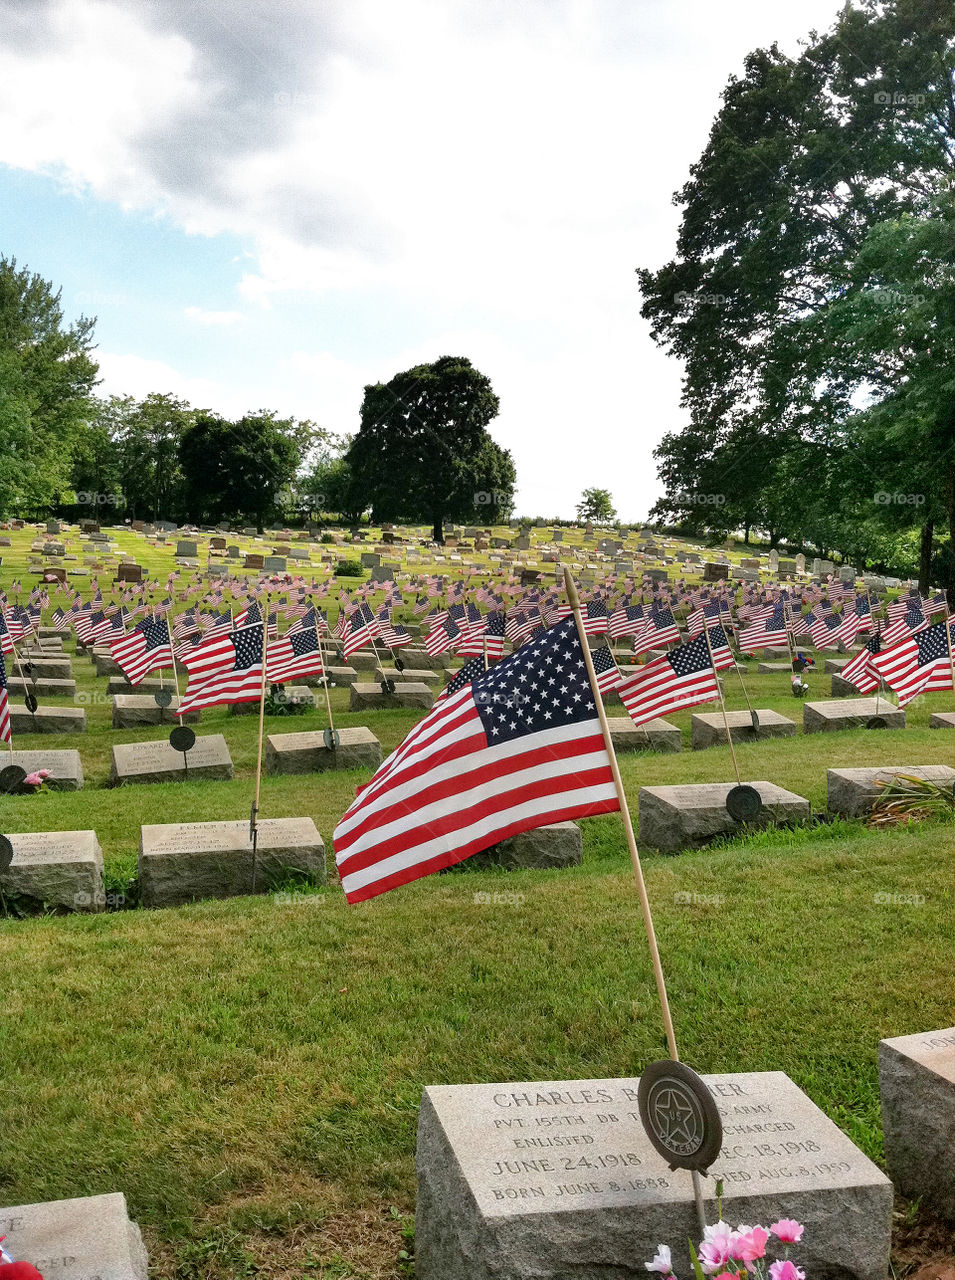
724,1254
32,783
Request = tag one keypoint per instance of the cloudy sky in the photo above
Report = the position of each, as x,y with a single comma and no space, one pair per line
271,203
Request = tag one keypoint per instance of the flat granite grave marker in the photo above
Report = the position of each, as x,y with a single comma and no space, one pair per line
851,713
689,817
159,762
135,710
709,730
655,735
66,769
62,868
917,1083
851,793
90,1238
371,697
184,861
357,748
58,720
559,844
558,1181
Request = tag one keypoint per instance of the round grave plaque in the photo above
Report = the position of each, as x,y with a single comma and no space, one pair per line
30,703
679,1115
332,739
754,716
387,686
399,665
743,803
10,778
182,739
163,697
6,853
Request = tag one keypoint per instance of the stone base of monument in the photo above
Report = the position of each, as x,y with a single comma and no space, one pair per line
851,713
57,720
942,720
106,664
370,697
42,688
119,684
655,735
917,1083
773,668
66,768
364,660
76,1239
186,861
840,687
61,868
544,848
411,675
709,729
341,675
851,793
358,748
689,817
422,658
134,710
137,762
44,668
558,1181
293,693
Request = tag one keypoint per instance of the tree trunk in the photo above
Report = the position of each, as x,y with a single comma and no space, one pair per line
925,555
746,534
437,533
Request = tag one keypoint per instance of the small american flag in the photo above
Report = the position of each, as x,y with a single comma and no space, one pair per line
683,678
916,665
224,669
6,732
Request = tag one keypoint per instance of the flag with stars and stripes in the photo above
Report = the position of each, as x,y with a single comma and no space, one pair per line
6,732
148,647
517,748
684,677
293,656
224,669
917,665
859,671
605,669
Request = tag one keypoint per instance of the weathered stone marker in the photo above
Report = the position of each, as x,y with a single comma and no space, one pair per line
77,1239
368,697
66,768
688,817
63,868
557,845
558,1181
57,720
655,735
917,1083
184,861
851,793
357,748
851,713
709,730
158,762
134,710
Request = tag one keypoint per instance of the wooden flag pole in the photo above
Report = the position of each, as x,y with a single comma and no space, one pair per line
258,764
321,654
172,650
574,601
948,641
719,689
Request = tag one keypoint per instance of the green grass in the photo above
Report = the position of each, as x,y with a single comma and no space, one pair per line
248,1072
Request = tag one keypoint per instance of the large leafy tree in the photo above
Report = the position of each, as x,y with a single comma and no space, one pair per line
237,469
423,451
806,156
596,504
47,374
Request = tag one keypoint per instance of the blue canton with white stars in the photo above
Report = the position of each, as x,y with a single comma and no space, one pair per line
542,686
248,647
690,657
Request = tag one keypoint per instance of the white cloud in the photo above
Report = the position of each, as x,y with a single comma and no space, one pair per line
218,318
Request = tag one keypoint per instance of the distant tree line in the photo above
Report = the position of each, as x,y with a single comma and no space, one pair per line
422,452
811,299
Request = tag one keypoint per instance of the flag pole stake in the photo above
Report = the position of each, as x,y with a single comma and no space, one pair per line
321,654
574,601
948,641
719,688
258,764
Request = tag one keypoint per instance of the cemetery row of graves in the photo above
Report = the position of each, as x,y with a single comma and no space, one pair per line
230,1046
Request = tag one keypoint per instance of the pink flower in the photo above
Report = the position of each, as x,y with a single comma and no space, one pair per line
750,1244
716,1247
786,1271
36,779
661,1262
788,1230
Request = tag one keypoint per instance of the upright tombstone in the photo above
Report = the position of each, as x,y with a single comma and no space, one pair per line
92,1236
559,1181
61,868
917,1084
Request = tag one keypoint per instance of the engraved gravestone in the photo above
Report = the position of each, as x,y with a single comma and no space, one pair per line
917,1083
90,1238
66,769
62,868
559,1181
183,862
159,762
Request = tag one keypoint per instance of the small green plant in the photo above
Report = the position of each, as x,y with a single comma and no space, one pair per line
349,569
327,539
906,798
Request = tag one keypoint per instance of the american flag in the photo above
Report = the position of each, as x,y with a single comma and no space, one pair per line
443,637
6,639
293,656
909,624
859,671
6,733
916,665
823,631
626,621
470,671
517,748
147,648
771,633
661,629
683,678
605,669
361,628
595,617
224,669
492,635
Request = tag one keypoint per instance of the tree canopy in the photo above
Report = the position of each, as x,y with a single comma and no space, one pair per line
423,451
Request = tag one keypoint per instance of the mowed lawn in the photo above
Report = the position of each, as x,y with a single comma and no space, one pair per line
249,1072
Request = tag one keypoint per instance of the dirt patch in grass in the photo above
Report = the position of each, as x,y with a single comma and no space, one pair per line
923,1246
